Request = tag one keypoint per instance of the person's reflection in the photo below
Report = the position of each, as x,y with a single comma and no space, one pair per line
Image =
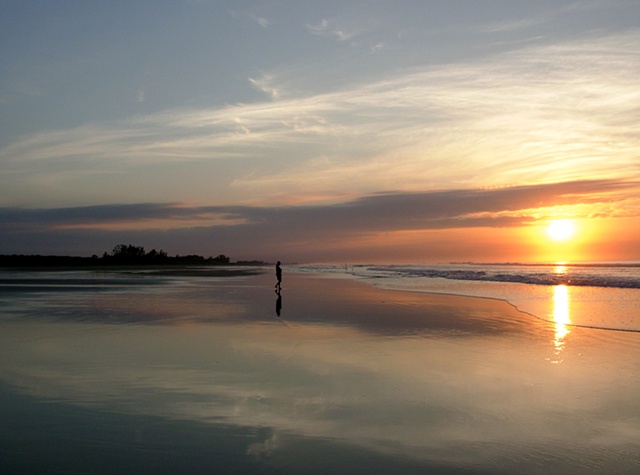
278,303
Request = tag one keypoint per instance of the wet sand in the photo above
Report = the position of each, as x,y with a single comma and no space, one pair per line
200,374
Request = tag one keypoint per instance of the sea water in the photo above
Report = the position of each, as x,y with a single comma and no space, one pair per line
598,295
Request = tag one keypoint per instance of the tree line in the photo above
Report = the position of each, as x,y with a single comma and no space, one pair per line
122,254
129,254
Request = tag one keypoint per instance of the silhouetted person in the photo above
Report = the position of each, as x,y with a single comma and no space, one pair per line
278,276
278,303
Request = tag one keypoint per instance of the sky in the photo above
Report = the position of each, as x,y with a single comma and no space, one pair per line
321,131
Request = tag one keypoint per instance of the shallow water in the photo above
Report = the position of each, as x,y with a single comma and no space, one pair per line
597,295
199,374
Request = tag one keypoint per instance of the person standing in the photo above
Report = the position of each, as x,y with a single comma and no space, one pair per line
278,276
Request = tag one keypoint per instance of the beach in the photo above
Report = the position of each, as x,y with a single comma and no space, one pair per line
143,372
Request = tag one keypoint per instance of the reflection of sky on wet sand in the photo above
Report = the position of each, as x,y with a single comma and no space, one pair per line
561,316
561,310
437,391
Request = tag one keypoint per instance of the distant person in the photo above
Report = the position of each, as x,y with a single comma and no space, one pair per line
278,276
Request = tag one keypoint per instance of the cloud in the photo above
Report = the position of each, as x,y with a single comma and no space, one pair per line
319,28
115,217
538,114
260,229
327,28
263,22
512,25
251,16
265,84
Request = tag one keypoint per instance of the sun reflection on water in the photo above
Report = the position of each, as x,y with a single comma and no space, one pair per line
560,268
561,317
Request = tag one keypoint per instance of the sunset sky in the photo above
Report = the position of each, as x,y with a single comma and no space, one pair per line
334,131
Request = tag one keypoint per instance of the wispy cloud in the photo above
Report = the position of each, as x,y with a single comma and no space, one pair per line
319,28
590,5
512,25
328,28
539,114
263,21
265,83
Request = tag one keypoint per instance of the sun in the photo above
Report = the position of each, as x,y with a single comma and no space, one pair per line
560,230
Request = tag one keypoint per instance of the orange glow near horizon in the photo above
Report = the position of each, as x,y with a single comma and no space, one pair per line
593,239
586,239
561,241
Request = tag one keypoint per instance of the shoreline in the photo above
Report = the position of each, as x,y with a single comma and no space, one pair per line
540,309
594,307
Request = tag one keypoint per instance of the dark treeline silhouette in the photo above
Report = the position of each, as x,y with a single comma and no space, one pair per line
122,255
129,254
